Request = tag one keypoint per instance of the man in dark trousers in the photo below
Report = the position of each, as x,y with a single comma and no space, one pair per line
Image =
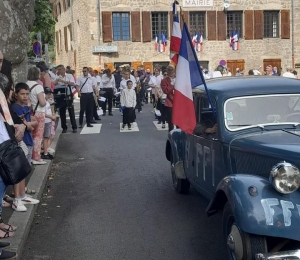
65,80
86,85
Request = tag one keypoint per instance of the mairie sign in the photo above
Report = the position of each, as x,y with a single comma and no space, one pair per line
197,3
105,48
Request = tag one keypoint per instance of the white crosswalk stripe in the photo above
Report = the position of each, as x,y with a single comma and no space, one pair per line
159,126
134,128
91,130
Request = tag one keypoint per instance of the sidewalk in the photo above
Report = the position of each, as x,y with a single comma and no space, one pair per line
24,220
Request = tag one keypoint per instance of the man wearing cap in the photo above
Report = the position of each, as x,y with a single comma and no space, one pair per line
65,79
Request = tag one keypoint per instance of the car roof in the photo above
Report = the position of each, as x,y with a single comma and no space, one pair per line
226,87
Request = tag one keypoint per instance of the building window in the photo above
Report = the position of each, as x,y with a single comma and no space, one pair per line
197,23
59,8
121,25
159,23
234,23
271,24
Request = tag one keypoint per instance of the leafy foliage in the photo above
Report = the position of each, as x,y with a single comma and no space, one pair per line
45,23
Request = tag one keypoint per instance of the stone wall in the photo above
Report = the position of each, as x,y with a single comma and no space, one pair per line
252,51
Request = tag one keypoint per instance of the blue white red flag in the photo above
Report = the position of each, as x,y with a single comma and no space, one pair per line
194,39
74,90
188,76
234,40
163,42
156,43
175,37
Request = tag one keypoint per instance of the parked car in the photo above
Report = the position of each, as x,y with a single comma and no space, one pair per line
248,167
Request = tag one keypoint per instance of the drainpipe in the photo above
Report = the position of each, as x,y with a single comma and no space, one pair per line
73,33
98,20
293,38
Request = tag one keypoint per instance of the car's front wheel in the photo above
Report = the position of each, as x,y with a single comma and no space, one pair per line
182,186
240,245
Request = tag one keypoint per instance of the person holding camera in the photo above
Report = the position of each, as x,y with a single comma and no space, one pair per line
86,85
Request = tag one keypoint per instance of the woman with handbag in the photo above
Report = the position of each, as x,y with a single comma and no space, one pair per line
38,102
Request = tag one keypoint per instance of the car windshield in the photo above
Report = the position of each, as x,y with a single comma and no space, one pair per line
252,111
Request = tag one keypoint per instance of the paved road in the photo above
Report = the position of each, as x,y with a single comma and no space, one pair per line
110,196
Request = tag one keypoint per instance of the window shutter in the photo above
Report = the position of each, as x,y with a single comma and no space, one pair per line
147,28
135,26
106,26
285,24
212,25
221,26
54,11
57,41
66,38
249,24
186,18
258,24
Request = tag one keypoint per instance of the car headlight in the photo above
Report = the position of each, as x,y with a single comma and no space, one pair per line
285,177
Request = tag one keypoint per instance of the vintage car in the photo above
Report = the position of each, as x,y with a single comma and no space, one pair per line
248,168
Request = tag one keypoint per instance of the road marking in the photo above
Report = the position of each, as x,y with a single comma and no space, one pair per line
91,130
134,128
159,126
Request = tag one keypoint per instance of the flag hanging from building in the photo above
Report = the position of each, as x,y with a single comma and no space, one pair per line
163,42
197,41
175,37
188,76
234,40
156,43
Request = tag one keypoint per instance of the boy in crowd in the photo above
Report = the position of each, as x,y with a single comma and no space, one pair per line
128,101
49,117
21,108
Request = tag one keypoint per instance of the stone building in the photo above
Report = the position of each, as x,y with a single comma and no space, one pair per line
101,33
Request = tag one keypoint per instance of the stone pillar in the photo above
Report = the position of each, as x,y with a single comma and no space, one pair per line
16,19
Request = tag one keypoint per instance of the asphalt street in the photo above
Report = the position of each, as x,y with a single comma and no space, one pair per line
110,196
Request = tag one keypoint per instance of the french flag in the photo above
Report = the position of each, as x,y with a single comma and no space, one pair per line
163,42
183,114
201,42
234,41
175,37
194,40
156,43
74,90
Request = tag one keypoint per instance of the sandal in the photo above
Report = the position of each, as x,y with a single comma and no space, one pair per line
9,229
7,234
8,198
5,204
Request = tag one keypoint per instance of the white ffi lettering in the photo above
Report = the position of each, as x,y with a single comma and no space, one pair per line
206,151
187,153
287,214
269,212
198,154
213,167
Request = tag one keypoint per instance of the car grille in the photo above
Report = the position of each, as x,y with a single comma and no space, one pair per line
248,163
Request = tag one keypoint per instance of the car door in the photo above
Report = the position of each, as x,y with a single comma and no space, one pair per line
207,151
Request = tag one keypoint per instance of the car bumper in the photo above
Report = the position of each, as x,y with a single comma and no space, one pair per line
295,254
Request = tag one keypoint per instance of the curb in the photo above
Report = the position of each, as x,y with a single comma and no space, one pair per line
24,220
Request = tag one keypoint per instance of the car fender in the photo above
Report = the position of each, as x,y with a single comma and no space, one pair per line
175,150
257,207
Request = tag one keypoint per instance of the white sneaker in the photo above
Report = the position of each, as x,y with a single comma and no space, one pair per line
29,200
18,205
51,151
40,162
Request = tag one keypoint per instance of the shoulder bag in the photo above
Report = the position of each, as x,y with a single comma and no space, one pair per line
14,166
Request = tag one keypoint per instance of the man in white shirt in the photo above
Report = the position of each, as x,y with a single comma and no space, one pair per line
52,73
66,80
108,85
288,73
86,85
154,83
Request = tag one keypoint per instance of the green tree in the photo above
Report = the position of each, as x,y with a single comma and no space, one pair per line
45,23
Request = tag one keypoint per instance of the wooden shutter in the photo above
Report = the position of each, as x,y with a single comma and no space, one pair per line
212,25
109,65
272,62
146,22
148,65
234,64
258,24
135,26
285,24
222,32
106,26
66,38
186,19
249,24
136,64
54,11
